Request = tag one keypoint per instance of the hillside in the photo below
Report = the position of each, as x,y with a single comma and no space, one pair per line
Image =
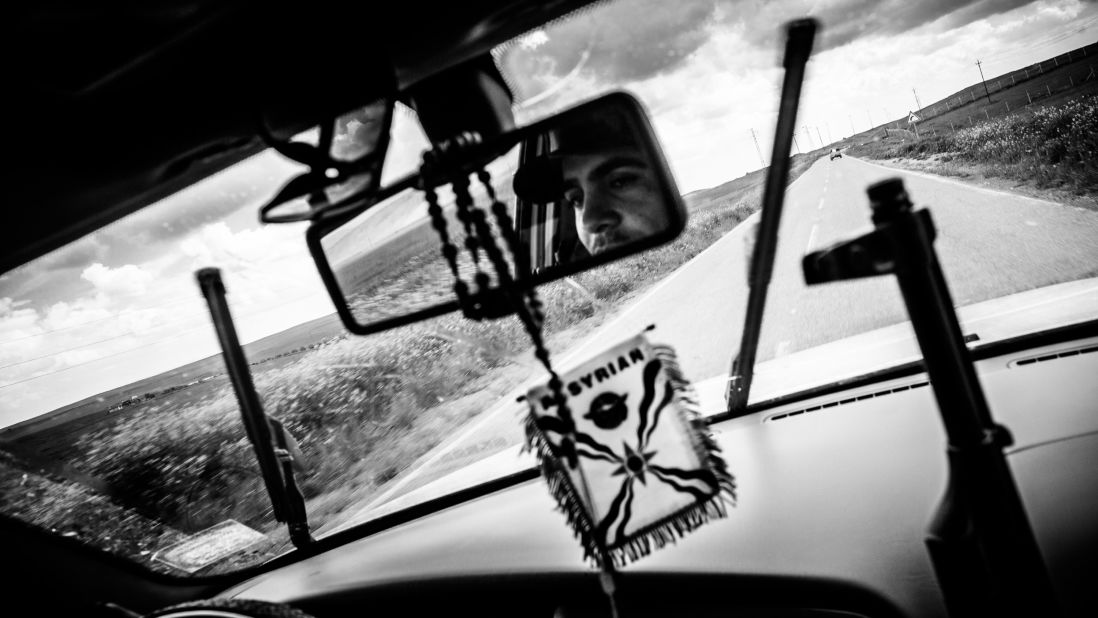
1048,82
193,380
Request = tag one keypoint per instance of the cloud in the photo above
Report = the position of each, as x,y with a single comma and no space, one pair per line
217,244
263,267
247,184
845,21
127,280
620,41
16,321
75,255
69,314
624,42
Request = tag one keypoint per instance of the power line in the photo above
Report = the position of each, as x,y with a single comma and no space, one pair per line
131,310
96,360
56,352
757,149
1028,48
102,319
139,347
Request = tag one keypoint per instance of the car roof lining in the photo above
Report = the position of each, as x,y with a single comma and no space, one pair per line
121,104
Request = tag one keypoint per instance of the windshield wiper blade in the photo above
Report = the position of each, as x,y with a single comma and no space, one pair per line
798,46
273,445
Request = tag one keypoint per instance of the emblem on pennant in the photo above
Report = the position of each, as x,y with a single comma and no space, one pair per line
630,461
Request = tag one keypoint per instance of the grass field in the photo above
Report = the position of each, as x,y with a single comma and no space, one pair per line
1051,81
361,408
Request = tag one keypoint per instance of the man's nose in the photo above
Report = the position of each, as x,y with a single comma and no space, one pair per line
599,213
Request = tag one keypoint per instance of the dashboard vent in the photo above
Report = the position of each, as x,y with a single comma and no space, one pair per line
843,402
1053,356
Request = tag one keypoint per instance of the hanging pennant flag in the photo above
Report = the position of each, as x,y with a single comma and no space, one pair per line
630,460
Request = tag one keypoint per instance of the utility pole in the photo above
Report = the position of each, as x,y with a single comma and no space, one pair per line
819,136
796,145
983,81
918,105
870,118
851,118
757,149
830,140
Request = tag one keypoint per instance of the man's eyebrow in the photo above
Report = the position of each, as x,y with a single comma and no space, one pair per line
613,163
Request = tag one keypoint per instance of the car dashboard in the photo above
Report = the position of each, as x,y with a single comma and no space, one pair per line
835,494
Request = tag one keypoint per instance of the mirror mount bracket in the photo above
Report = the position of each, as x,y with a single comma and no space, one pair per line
470,97
487,305
459,154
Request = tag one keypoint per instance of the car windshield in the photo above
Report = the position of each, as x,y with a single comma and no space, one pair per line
119,426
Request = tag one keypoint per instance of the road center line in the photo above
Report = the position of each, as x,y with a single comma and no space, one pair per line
811,238
781,349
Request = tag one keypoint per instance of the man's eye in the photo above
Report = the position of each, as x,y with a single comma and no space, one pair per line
622,180
574,198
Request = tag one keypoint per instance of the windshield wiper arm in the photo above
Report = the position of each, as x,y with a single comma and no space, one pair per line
269,438
798,46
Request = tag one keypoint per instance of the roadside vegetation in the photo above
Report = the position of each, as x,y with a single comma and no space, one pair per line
361,408
1050,147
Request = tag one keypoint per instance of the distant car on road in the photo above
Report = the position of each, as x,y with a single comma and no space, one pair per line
835,154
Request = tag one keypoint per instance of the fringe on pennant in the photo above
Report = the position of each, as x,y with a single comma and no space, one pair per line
562,490
705,447
665,531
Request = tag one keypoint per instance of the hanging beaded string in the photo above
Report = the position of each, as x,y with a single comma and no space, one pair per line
533,318
449,250
464,202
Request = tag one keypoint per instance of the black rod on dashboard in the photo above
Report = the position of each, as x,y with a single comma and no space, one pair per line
983,548
798,47
286,499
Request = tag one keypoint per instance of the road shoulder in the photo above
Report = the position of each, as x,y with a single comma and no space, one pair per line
973,176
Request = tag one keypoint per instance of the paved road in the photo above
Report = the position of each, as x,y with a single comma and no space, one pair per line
991,244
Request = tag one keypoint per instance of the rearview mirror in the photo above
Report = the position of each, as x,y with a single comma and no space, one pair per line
576,190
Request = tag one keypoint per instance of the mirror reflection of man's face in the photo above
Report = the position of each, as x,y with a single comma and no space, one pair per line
616,197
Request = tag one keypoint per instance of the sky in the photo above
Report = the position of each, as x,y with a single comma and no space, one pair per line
122,304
